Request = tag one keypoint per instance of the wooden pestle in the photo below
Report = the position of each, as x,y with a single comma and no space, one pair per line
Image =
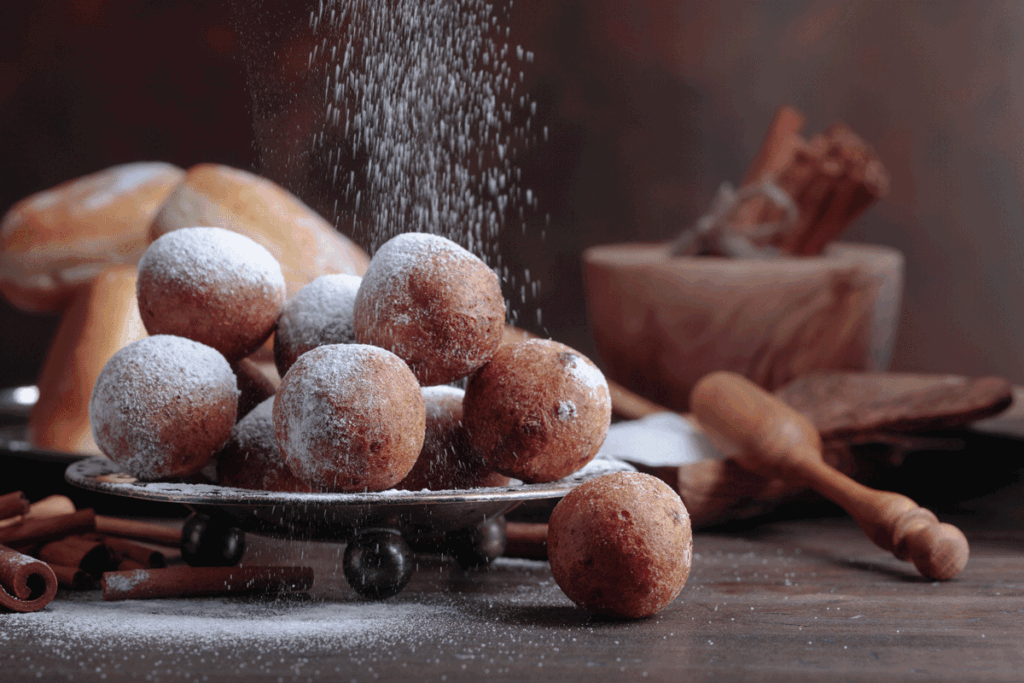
771,439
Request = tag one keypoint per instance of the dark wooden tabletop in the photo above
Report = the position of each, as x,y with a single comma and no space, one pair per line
804,599
791,600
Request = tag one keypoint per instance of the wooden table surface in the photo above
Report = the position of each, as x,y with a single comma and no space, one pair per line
791,600
783,600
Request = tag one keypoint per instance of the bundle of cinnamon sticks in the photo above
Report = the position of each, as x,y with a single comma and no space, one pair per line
50,544
832,178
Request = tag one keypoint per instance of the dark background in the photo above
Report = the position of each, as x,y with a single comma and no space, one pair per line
650,105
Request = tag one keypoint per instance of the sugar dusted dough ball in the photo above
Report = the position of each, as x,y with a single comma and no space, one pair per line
447,460
538,411
321,313
251,458
213,286
349,417
621,545
162,406
434,304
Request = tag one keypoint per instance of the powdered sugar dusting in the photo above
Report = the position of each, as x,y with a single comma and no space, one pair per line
119,583
587,374
566,410
325,400
204,254
152,376
391,266
321,313
254,433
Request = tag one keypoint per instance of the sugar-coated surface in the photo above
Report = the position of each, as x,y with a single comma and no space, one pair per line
348,411
321,313
202,255
434,304
155,376
391,266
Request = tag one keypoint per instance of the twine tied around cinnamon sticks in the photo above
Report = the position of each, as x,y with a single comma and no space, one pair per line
715,232
796,197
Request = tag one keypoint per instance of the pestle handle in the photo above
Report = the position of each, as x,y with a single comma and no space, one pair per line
769,438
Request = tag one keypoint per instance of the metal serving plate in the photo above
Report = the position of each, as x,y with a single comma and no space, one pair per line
333,516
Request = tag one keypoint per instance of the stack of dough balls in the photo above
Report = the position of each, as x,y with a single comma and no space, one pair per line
162,406
363,402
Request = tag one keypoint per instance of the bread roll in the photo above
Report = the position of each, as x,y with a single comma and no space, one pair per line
102,319
305,244
55,242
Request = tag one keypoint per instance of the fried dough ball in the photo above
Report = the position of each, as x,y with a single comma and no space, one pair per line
621,545
213,286
434,304
162,406
349,417
447,460
538,411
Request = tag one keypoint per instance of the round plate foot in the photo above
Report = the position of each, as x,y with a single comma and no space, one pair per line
479,545
211,542
378,563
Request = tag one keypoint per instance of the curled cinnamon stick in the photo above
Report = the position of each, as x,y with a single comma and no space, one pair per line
13,504
147,532
26,584
45,529
179,582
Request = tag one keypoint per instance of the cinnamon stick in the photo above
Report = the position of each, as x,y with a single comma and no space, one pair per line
32,530
527,540
178,582
89,555
147,532
775,153
71,578
26,584
123,550
13,504
768,161
47,507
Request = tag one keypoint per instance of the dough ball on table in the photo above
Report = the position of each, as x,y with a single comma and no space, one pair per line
321,313
349,417
434,304
251,459
162,406
213,286
538,411
621,545
447,460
